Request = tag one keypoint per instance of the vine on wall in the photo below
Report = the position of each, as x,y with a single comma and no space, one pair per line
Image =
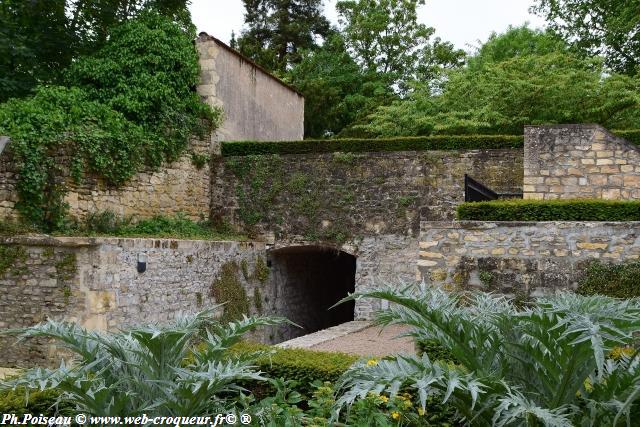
130,105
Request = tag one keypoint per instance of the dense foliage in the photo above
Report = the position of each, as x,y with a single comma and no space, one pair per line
384,36
440,142
550,210
40,38
279,30
614,280
129,105
337,90
609,28
566,360
143,371
503,97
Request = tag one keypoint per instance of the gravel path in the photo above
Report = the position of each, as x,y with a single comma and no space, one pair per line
370,342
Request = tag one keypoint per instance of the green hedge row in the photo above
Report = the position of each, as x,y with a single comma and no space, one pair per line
614,280
550,210
303,366
39,402
426,143
632,136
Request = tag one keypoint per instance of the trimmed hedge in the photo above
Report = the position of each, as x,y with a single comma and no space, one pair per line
632,136
613,280
425,143
39,402
303,366
550,210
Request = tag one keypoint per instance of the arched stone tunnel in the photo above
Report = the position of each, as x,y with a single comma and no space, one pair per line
308,280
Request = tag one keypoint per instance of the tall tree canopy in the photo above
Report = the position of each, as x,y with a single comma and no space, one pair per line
504,89
610,28
279,30
337,91
39,38
384,36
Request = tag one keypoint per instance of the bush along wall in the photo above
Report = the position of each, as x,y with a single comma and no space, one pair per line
632,135
426,143
550,210
614,280
128,106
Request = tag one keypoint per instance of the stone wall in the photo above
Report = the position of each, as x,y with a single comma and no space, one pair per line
342,196
579,161
95,282
521,258
177,187
257,106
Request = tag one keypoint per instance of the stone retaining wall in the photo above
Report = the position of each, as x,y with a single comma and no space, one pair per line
521,258
178,187
342,196
95,283
579,161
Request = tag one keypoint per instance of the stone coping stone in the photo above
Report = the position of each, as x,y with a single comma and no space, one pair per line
130,242
307,341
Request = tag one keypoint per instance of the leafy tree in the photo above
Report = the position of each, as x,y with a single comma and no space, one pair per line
505,96
516,42
566,360
337,92
39,38
130,104
278,30
610,28
384,36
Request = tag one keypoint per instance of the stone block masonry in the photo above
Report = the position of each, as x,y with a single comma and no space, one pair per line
339,197
579,161
95,283
521,258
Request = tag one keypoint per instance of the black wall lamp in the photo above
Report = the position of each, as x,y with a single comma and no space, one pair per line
142,263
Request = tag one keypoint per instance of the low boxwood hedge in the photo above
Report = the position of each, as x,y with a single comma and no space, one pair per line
614,280
38,402
550,210
300,365
425,143
632,136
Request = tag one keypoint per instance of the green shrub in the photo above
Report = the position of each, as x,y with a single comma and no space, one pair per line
300,365
434,350
36,402
426,143
550,210
614,280
632,136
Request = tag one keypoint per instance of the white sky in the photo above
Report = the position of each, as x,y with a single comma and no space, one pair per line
462,22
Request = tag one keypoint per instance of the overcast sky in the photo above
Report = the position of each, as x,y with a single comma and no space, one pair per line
462,22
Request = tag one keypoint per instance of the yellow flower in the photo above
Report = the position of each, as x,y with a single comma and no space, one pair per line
372,362
618,352
421,412
395,415
587,385
384,399
407,404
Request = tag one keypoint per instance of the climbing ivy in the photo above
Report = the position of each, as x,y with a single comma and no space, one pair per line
10,258
131,104
227,289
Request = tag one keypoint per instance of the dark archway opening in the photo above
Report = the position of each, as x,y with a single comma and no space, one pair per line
308,281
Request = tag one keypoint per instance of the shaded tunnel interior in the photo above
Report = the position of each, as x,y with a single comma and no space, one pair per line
308,281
